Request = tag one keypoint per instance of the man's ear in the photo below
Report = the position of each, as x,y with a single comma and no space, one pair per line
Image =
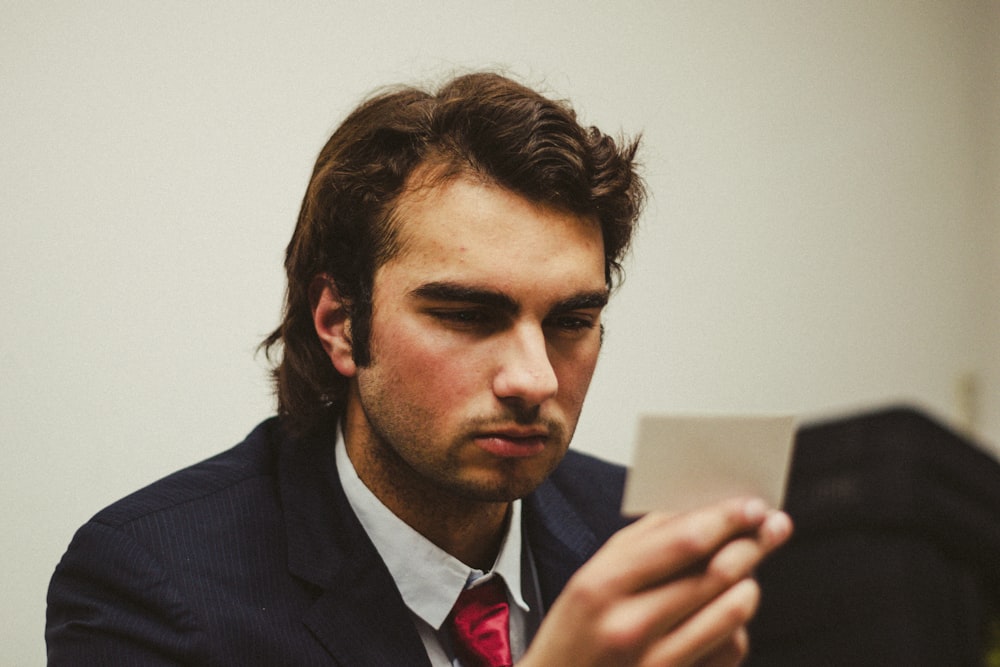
333,323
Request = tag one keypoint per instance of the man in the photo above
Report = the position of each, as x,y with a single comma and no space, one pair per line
446,279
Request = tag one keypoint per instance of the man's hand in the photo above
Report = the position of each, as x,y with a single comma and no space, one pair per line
669,590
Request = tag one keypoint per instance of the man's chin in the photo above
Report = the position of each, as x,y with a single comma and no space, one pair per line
499,488
496,495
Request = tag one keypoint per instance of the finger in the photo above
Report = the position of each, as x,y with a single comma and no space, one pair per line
706,632
659,546
656,611
776,530
732,652
642,616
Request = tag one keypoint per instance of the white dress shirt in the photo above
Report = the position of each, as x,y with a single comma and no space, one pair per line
430,579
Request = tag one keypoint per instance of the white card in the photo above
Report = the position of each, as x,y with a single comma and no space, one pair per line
681,463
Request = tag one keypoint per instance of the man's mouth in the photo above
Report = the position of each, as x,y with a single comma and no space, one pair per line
517,442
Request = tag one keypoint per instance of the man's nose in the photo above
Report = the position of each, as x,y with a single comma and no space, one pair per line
525,371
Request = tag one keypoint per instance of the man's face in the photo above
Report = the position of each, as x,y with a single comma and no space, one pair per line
485,334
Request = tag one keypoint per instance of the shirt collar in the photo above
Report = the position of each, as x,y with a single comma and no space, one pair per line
428,578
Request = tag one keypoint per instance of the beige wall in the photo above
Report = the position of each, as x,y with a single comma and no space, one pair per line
823,235
988,405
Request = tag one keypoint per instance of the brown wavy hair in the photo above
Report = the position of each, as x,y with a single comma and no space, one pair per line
481,124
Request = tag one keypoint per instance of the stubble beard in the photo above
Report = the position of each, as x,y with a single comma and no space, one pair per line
417,469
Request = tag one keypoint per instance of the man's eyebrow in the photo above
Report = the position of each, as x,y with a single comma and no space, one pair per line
582,301
445,291
455,292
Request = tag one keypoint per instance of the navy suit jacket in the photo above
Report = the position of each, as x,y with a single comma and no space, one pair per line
254,557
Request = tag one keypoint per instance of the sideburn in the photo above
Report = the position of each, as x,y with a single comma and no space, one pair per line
360,314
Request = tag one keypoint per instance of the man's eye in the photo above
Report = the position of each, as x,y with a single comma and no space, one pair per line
467,318
571,323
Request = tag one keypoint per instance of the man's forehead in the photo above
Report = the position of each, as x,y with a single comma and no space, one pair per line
427,186
476,236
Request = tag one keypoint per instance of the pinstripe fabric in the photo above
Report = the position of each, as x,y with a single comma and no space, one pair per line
254,558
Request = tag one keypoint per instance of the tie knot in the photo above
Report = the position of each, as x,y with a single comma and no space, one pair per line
479,625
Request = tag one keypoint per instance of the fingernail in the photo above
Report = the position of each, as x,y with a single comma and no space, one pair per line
778,526
755,510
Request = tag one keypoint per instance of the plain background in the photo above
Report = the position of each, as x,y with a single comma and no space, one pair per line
822,237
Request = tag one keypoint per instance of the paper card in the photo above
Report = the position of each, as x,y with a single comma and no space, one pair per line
681,463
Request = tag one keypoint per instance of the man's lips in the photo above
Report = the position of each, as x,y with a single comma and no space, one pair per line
512,443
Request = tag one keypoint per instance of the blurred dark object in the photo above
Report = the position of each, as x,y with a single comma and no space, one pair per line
896,556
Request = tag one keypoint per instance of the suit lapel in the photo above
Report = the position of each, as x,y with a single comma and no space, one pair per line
359,615
361,620
559,539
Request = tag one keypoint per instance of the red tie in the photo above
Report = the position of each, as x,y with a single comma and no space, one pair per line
479,626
